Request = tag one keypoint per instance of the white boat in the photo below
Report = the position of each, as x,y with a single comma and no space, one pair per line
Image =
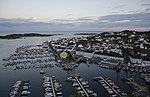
25,92
48,95
42,72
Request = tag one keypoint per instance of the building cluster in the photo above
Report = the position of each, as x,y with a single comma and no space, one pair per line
132,45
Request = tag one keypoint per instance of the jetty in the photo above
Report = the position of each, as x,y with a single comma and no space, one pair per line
20,88
86,94
53,90
52,87
81,86
138,86
112,89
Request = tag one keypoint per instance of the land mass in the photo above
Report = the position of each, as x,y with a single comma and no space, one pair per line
16,36
85,33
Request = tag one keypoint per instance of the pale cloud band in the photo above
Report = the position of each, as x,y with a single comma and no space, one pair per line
136,21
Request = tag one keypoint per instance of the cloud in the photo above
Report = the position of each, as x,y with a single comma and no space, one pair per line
144,0
148,4
119,7
109,22
147,9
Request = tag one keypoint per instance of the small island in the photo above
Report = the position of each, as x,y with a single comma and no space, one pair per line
16,36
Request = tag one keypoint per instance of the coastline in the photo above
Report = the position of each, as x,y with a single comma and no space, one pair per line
18,36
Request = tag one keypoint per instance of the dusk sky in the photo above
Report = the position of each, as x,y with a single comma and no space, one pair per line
74,15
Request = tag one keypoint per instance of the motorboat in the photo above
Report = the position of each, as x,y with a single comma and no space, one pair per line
42,72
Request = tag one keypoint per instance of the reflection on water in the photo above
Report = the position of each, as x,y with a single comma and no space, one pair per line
8,76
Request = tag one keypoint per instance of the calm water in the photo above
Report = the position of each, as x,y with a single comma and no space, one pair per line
8,76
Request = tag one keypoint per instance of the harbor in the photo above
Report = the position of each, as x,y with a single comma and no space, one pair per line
30,62
31,57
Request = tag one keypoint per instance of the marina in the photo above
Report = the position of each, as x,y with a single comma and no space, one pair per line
136,68
74,48
32,61
30,57
81,86
20,88
52,87
112,89
138,86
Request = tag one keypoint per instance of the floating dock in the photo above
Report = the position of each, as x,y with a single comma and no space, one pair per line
52,87
81,86
20,88
111,88
138,86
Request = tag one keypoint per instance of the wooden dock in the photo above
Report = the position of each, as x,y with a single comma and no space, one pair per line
76,76
53,89
86,94
53,85
110,86
20,90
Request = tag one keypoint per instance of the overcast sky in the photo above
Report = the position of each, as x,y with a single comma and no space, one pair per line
74,15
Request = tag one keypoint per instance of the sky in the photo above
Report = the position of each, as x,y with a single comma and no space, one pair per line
74,15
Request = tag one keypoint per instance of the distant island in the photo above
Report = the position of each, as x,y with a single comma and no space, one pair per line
85,33
16,36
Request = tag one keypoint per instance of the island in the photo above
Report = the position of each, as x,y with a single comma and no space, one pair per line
86,33
16,36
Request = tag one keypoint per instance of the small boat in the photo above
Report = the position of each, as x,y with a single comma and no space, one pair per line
14,68
25,92
42,72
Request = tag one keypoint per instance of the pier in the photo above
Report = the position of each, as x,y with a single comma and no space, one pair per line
111,88
87,95
20,88
138,86
53,89
81,86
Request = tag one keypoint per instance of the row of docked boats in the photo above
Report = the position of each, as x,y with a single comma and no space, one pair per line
110,64
20,88
26,62
111,88
81,86
34,66
24,56
136,68
52,87
138,86
33,56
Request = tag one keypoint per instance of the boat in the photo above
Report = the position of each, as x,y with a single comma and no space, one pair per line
42,72
25,92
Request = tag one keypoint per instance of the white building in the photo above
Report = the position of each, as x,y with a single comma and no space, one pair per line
90,55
